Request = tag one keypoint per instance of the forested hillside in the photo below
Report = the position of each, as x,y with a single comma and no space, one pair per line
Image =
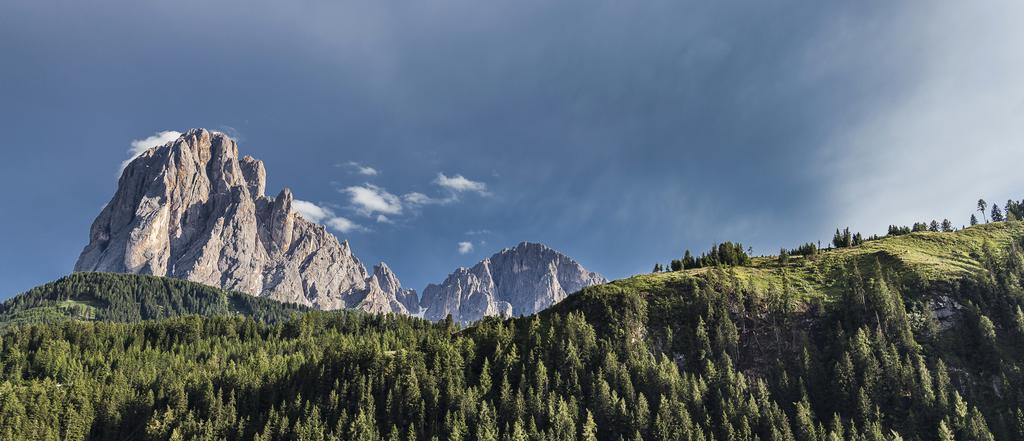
917,336
133,297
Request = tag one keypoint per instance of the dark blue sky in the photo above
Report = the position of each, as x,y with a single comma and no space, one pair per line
618,132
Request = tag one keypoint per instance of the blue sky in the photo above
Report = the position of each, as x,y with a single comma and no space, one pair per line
618,132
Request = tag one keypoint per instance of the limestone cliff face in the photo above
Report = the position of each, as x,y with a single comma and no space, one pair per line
516,281
192,209
384,294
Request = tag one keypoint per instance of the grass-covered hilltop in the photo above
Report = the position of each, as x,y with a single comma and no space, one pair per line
913,336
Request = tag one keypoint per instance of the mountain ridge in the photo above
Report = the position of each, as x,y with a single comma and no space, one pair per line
194,209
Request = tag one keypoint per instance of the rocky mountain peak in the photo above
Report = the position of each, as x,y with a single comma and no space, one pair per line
392,287
192,209
282,221
255,175
521,280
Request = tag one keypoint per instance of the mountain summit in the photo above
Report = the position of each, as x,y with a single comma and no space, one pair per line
516,281
193,209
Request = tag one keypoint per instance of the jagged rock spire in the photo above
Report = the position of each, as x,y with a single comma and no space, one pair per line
192,209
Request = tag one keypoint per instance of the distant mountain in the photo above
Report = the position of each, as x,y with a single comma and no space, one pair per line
193,209
133,297
516,281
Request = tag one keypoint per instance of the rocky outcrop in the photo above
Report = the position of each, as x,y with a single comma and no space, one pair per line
516,281
192,209
384,293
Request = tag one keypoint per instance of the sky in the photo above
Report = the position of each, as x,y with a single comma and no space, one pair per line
433,134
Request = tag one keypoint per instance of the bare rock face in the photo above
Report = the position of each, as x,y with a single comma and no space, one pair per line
385,294
192,209
516,281
388,282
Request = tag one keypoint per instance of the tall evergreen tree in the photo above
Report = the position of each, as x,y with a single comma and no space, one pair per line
997,213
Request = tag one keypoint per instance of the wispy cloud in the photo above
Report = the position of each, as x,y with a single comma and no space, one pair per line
231,132
343,225
460,184
364,170
417,199
312,212
453,186
322,215
370,199
139,146
465,247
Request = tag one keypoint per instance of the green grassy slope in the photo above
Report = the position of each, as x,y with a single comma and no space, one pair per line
917,258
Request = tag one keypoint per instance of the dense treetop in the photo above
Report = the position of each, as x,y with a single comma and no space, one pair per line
133,297
917,336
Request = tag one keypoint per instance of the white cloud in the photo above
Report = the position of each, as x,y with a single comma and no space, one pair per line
384,219
459,184
417,198
465,247
311,211
139,146
369,199
322,215
343,225
364,170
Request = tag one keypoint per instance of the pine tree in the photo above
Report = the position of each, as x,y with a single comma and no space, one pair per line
945,433
805,428
589,431
364,428
486,429
983,207
977,428
974,220
997,214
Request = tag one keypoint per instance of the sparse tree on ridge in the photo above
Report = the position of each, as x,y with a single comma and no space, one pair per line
947,226
983,207
1014,210
934,226
997,214
843,239
974,220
